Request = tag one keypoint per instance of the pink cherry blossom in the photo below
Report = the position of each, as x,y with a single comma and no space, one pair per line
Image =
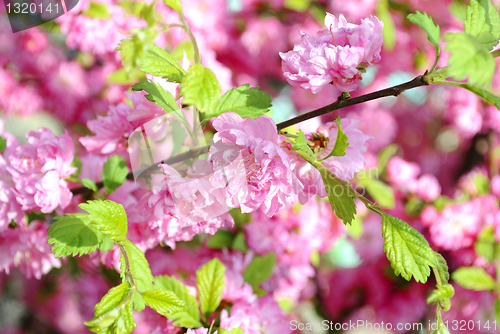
26,248
257,161
335,56
38,170
261,317
402,173
428,187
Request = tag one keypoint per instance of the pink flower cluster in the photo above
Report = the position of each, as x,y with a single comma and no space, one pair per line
39,169
257,161
336,56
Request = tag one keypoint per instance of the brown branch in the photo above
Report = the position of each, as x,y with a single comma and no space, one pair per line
341,102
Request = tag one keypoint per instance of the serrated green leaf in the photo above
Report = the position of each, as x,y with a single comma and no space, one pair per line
382,193
159,63
210,284
108,217
73,234
89,184
260,269
473,278
162,301
97,11
111,300
3,144
246,101
442,268
157,94
201,88
184,319
425,22
221,239
114,173
139,266
139,303
106,244
126,323
482,21
133,48
442,292
301,144
339,195
469,59
174,4
340,143
170,283
389,31
406,249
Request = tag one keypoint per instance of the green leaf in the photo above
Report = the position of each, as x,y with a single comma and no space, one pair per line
123,77
246,101
382,193
385,155
132,7
473,278
73,234
184,319
174,4
161,64
97,11
201,88
301,144
106,244
260,269
425,22
339,195
406,249
157,94
442,292
340,143
483,22
469,59
497,309
75,163
133,48
210,284
89,184
221,239
485,244
107,310
3,144
139,266
389,31
114,173
170,283
108,217
442,268
240,243
297,5
139,303
162,301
